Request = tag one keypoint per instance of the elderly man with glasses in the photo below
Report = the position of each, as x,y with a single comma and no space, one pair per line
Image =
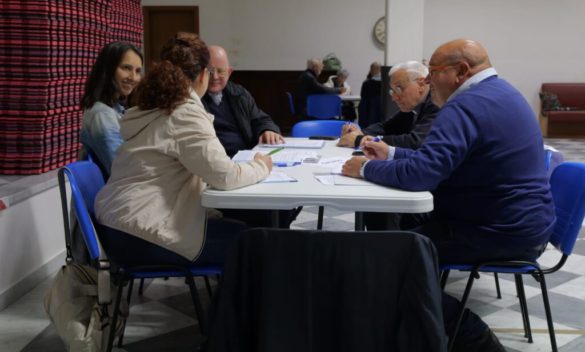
408,127
483,162
239,123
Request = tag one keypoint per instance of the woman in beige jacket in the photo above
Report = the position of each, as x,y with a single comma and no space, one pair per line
151,205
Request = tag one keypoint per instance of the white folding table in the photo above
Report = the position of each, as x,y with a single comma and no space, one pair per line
309,191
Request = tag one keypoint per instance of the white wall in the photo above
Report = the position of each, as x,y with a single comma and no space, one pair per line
282,35
529,41
31,243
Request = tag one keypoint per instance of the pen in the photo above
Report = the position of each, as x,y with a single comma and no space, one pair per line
376,139
274,151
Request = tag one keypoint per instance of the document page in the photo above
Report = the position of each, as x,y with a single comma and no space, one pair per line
278,177
297,143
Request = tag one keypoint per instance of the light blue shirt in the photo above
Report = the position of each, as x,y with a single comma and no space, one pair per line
100,132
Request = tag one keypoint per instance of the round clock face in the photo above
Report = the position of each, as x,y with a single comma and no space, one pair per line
380,30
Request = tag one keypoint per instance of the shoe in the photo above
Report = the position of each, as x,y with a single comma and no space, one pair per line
486,342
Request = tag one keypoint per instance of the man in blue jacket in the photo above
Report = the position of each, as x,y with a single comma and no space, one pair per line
483,162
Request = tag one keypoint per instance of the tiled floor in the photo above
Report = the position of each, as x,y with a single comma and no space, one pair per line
162,319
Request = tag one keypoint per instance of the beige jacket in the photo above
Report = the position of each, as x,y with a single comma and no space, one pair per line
166,161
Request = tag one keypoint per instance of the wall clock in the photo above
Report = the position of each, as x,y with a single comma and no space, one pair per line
380,30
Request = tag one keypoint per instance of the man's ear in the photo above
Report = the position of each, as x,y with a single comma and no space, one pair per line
463,69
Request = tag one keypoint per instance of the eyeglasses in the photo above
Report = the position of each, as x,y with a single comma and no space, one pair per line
439,68
396,91
221,72
400,88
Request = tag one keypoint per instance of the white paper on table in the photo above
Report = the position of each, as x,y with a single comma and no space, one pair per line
297,143
278,177
339,180
286,157
325,179
334,163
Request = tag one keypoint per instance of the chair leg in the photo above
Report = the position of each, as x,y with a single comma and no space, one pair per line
128,298
114,320
320,218
444,277
497,280
197,303
549,320
208,286
472,276
129,294
523,306
141,287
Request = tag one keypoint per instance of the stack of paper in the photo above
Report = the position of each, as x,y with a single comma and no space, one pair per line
278,177
282,158
297,143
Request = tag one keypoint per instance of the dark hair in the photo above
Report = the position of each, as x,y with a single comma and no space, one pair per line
167,84
101,84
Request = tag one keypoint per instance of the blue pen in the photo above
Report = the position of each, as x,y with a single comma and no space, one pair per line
376,139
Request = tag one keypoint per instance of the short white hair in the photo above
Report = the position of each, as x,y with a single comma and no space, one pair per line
343,72
414,69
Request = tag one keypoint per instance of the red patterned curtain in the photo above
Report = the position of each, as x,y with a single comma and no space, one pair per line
47,49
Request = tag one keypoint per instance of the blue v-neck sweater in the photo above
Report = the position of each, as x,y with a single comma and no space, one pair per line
483,160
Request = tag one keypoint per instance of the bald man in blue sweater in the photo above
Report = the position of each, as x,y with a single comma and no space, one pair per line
482,160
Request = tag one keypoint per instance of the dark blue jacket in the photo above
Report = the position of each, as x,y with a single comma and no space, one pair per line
483,162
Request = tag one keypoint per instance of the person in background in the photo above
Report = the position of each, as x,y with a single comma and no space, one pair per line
406,129
483,124
370,106
239,123
308,84
151,203
114,75
340,80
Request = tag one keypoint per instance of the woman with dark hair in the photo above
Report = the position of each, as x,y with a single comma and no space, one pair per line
152,201
114,75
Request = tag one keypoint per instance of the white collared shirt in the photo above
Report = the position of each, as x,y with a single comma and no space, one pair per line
475,79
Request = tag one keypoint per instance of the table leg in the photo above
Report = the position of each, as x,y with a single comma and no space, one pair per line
274,219
359,221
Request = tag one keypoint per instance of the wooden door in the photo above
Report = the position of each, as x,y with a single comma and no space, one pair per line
162,22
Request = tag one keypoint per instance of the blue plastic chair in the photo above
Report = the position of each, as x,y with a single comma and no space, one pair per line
568,192
329,128
324,106
85,181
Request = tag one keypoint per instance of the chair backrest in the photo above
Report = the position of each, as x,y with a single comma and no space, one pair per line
291,103
85,180
324,106
568,191
318,128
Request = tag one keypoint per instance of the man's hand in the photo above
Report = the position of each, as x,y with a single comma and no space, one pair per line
348,139
349,128
352,167
343,90
375,150
366,139
270,137
266,159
